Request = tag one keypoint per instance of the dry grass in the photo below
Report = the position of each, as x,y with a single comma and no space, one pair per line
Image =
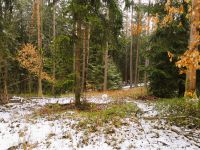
121,94
51,109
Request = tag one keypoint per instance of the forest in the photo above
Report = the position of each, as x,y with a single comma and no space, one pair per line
99,74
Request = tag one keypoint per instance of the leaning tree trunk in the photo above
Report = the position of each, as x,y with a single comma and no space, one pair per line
78,66
190,89
39,47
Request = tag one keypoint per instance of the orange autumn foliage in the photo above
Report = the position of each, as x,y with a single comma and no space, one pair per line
172,12
189,60
136,29
29,58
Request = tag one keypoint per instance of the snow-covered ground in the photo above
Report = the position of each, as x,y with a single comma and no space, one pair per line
159,133
133,85
58,132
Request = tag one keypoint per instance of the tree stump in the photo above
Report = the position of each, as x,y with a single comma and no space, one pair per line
3,98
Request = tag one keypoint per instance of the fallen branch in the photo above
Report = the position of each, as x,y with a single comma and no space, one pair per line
167,117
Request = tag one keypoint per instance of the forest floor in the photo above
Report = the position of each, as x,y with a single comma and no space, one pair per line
22,128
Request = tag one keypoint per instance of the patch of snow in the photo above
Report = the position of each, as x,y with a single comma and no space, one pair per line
59,132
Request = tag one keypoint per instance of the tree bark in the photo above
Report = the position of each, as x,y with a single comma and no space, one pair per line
77,65
29,83
39,47
190,86
84,59
126,53
137,46
131,49
54,36
146,58
4,97
87,54
105,68
105,83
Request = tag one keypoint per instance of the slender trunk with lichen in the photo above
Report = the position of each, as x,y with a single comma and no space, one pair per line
190,86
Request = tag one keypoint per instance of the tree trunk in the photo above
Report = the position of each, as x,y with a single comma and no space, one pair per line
29,84
77,65
131,49
105,83
146,58
87,54
39,47
54,36
84,59
74,46
190,89
137,46
4,92
4,97
126,53
191,82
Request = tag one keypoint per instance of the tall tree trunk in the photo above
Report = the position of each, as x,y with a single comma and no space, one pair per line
86,46
77,65
137,45
84,59
190,89
54,36
74,46
146,58
39,47
105,83
126,53
87,54
131,49
74,50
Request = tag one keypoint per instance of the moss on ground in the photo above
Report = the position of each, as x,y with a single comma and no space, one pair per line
91,116
180,112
